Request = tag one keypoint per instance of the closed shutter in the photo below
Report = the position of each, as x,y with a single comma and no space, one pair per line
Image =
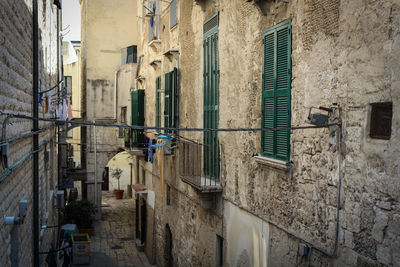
171,111
158,101
167,102
276,91
137,116
211,98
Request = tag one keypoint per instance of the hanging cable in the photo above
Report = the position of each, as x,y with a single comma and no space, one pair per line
137,127
51,88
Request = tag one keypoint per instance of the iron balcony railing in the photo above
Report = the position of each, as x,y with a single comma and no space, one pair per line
199,165
134,139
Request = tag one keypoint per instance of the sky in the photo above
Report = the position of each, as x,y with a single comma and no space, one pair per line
71,15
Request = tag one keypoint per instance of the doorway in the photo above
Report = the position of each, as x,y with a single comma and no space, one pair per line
106,179
168,247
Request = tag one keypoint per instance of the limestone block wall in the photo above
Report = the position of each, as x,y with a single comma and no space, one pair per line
337,57
16,97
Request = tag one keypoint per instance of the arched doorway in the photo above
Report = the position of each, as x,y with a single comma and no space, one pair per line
123,162
168,247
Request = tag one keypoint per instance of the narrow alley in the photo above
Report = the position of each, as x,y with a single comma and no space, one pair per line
113,243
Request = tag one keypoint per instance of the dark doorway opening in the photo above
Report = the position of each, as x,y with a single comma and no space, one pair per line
106,179
143,222
168,247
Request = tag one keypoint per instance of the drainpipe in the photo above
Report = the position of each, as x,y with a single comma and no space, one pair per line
138,69
95,166
35,136
115,93
340,178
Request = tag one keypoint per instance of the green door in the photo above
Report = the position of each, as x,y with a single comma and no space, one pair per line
211,159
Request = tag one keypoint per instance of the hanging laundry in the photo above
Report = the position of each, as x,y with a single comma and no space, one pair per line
65,110
151,21
48,98
69,109
40,98
46,105
59,112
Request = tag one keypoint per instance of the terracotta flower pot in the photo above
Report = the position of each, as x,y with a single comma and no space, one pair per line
118,193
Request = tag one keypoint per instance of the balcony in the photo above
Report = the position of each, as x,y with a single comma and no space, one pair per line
134,141
199,166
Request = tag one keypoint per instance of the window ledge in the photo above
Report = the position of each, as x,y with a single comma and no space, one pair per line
156,43
274,163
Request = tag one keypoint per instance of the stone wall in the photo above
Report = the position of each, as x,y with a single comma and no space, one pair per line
343,52
16,97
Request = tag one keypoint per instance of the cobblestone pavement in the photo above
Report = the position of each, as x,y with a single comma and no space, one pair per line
113,242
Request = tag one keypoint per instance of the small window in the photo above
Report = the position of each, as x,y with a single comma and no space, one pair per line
131,55
381,120
123,114
168,195
173,14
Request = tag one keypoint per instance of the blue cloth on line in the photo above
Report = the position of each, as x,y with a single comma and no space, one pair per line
151,21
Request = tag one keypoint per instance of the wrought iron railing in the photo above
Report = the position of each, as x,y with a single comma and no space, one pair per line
199,165
134,139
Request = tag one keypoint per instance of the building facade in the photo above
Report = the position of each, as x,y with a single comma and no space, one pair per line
108,50
287,195
17,97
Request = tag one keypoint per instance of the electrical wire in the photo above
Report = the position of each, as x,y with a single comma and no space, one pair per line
11,169
137,127
51,88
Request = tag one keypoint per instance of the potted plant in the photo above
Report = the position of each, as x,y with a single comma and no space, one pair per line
81,213
116,173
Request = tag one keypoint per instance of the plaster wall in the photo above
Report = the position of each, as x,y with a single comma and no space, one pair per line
107,27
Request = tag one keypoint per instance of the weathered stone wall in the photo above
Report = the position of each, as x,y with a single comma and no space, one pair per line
343,52
193,228
16,97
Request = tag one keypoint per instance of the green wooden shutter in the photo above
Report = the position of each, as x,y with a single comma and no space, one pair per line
211,159
167,100
276,90
137,115
158,101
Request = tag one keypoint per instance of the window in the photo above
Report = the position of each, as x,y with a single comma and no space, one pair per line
173,13
68,86
123,114
131,55
137,117
276,84
211,159
158,102
152,10
381,120
171,100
